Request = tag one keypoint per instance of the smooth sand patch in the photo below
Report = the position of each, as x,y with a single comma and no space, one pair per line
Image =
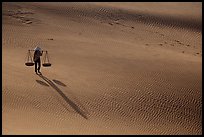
132,68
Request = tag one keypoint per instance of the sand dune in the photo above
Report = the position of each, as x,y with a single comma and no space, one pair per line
117,68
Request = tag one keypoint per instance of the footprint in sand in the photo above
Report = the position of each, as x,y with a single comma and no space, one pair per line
162,35
28,22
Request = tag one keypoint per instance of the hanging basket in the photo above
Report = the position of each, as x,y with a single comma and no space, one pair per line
29,59
46,62
29,63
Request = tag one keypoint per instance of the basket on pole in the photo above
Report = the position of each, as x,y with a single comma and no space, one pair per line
29,61
46,61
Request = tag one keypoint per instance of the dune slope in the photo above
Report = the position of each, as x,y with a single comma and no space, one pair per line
116,68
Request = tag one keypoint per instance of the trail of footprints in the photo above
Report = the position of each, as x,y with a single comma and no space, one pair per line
21,16
178,43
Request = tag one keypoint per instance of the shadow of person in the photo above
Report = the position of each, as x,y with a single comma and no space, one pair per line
42,83
70,102
59,82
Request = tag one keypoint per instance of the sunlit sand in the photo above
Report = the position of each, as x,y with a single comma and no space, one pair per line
117,68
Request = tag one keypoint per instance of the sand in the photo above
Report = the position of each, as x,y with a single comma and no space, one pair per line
117,68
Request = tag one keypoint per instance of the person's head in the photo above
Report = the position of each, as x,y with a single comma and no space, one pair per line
37,48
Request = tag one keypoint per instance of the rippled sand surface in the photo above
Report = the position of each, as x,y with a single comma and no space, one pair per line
117,68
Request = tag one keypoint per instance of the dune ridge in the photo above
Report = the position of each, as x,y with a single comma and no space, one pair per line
115,70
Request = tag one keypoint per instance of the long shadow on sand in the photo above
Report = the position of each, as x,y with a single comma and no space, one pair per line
70,102
42,83
59,82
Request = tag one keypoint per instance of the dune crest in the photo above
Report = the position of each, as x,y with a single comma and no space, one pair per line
117,68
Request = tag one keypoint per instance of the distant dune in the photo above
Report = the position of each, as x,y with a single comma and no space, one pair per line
117,68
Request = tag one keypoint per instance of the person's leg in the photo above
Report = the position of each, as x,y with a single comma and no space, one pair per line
35,66
39,65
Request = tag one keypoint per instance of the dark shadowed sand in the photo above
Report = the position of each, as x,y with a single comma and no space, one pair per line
117,68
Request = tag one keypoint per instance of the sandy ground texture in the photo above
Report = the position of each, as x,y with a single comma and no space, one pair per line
117,68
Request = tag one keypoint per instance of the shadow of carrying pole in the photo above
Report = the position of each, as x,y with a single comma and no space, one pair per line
71,103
